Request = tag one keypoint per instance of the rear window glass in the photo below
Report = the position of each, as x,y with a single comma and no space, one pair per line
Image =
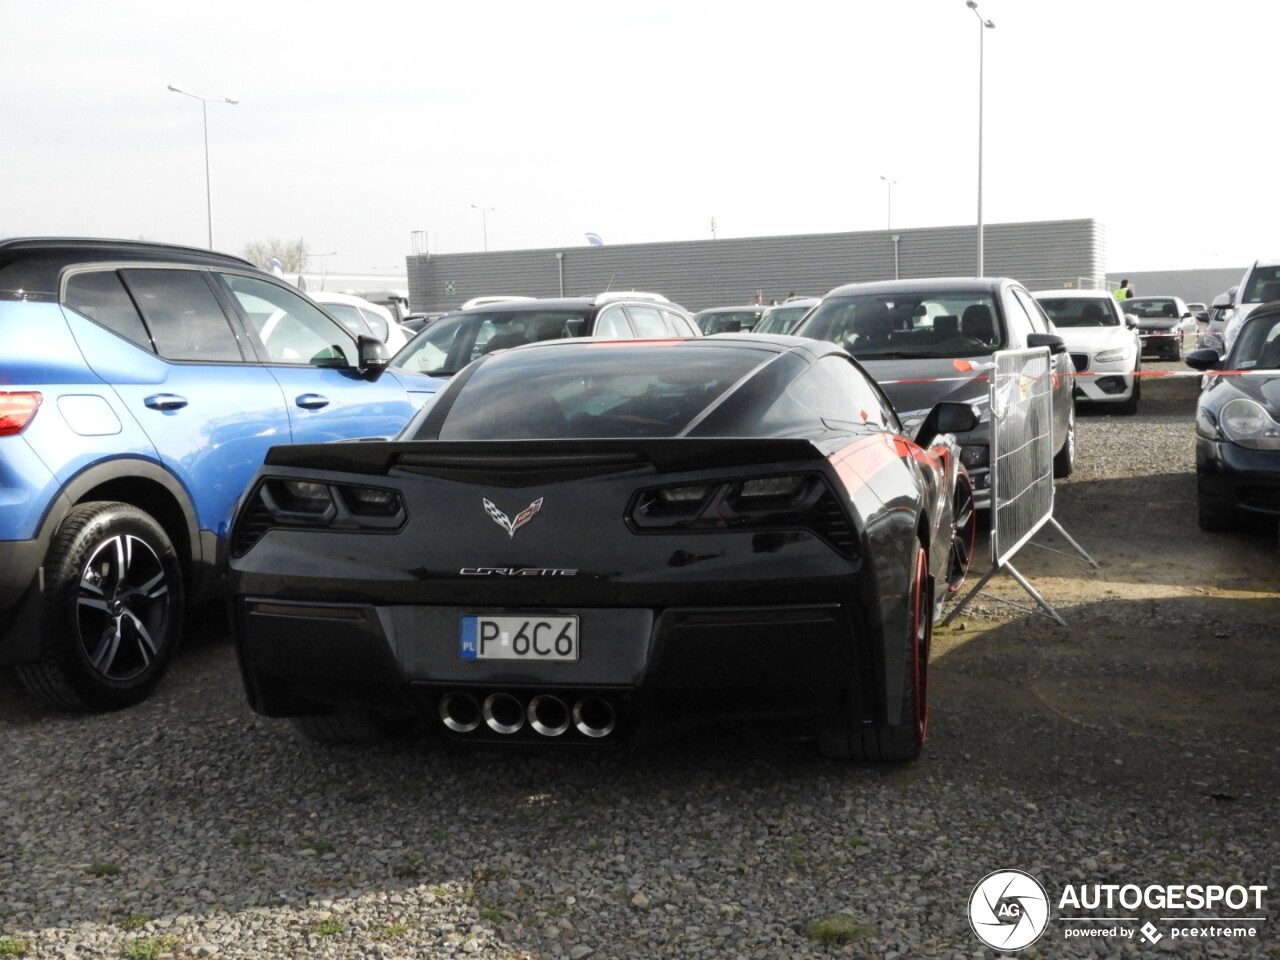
600,390
101,297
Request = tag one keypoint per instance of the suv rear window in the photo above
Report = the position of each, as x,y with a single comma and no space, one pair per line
101,296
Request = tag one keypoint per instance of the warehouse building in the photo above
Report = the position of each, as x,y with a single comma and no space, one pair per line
706,273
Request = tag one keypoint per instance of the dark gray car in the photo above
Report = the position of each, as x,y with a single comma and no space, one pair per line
931,340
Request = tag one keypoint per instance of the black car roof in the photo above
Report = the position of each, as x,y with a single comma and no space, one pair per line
30,267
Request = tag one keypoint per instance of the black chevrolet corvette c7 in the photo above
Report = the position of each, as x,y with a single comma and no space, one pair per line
584,542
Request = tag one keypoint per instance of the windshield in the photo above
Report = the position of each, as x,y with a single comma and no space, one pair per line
1080,312
1263,285
1258,344
599,390
895,325
1148,308
450,344
725,321
780,319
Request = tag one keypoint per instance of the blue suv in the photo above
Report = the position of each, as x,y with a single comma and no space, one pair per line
140,386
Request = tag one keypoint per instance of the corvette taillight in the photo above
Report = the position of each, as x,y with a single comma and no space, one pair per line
16,411
789,501
306,504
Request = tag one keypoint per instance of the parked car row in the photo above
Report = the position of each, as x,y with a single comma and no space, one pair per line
573,520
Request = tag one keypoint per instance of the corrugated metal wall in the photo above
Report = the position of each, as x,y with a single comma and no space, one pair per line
708,273
1191,285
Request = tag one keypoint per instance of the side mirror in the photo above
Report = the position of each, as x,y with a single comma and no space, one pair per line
947,416
1221,300
372,356
1204,359
1051,340
1131,321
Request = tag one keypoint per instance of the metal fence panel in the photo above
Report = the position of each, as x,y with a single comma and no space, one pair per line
1021,449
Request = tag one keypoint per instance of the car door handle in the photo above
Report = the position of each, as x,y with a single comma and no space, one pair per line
165,401
311,401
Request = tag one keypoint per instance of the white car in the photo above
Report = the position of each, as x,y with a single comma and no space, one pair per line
361,316
1261,284
1103,344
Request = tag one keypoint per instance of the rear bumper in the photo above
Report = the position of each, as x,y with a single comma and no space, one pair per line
651,667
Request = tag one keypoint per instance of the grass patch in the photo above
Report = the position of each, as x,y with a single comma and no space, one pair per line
241,840
327,928
390,930
837,929
856,841
132,921
100,869
148,948
319,846
13,948
492,915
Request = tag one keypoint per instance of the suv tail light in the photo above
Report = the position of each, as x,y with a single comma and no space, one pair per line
16,411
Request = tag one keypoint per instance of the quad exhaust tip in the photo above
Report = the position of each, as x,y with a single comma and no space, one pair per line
594,717
547,715
503,713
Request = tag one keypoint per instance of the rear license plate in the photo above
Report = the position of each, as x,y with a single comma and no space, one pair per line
519,638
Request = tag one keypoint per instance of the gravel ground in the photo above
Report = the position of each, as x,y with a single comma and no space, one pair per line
1135,745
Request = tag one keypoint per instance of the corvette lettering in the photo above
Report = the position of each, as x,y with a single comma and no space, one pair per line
517,572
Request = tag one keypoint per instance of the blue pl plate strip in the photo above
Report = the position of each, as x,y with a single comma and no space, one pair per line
469,647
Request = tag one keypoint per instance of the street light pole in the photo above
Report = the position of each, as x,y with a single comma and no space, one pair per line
889,184
204,118
983,27
484,222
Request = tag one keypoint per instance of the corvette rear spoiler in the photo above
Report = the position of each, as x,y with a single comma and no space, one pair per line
443,457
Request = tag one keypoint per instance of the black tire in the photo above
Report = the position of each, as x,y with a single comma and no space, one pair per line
1216,517
896,742
112,614
341,726
964,534
1064,461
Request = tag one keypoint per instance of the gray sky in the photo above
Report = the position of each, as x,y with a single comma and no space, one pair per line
359,124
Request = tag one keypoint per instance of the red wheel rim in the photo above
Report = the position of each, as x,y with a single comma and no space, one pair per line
921,637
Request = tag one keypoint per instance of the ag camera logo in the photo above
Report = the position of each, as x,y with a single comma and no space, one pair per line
1008,910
